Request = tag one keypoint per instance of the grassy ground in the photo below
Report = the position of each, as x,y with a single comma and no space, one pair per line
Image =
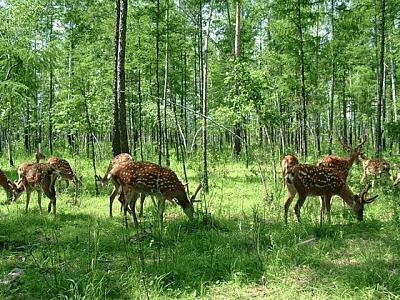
237,247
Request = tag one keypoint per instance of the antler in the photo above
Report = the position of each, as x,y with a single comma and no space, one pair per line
192,199
363,195
344,145
362,142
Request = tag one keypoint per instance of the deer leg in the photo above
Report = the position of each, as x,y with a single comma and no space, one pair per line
28,198
322,208
328,207
112,197
298,206
363,177
40,200
50,193
132,204
142,197
160,207
291,194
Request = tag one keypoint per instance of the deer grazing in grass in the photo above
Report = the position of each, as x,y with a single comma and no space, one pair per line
7,185
119,159
40,177
288,161
65,170
374,167
310,180
150,179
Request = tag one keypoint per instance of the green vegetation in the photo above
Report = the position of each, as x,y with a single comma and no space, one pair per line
238,247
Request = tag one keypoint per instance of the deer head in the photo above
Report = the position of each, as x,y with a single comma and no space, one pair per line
360,200
38,155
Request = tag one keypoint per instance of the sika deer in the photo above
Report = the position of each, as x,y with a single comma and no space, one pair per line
64,168
373,167
396,177
7,185
150,179
40,177
120,158
288,161
309,180
342,165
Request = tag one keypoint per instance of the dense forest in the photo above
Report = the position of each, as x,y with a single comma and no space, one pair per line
218,91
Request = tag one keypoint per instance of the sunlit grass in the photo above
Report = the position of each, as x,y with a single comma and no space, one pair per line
238,246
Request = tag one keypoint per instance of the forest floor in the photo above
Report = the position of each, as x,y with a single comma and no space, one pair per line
238,246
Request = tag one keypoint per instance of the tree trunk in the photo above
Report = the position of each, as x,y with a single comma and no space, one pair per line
116,145
121,89
303,83
159,125
204,101
165,94
237,140
333,83
378,134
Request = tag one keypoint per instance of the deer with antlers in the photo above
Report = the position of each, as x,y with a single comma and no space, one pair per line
310,180
374,167
119,159
7,185
150,179
342,165
40,177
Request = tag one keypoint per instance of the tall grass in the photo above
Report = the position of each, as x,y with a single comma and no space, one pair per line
238,246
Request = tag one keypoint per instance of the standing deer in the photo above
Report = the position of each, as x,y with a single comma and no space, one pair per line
40,177
342,165
310,180
150,179
288,161
7,185
396,177
65,170
120,158
374,167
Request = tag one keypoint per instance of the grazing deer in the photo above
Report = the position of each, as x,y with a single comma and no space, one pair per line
288,161
120,158
40,177
7,185
396,177
342,165
150,179
65,170
373,167
310,180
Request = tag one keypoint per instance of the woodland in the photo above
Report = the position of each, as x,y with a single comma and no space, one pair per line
219,92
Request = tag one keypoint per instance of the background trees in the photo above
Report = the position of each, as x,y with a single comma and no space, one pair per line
307,73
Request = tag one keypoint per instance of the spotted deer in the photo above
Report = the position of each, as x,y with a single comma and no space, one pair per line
150,179
396,177
374,167
340,164
120,158
288,161
310,180
7,185
40,177
64,169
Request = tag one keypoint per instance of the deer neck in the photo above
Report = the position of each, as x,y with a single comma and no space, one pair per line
347,195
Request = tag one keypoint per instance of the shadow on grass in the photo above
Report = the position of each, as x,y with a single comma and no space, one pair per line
190,256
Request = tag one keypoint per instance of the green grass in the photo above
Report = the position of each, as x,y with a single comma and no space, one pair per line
238,246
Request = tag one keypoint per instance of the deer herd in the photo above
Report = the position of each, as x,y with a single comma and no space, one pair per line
133,179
